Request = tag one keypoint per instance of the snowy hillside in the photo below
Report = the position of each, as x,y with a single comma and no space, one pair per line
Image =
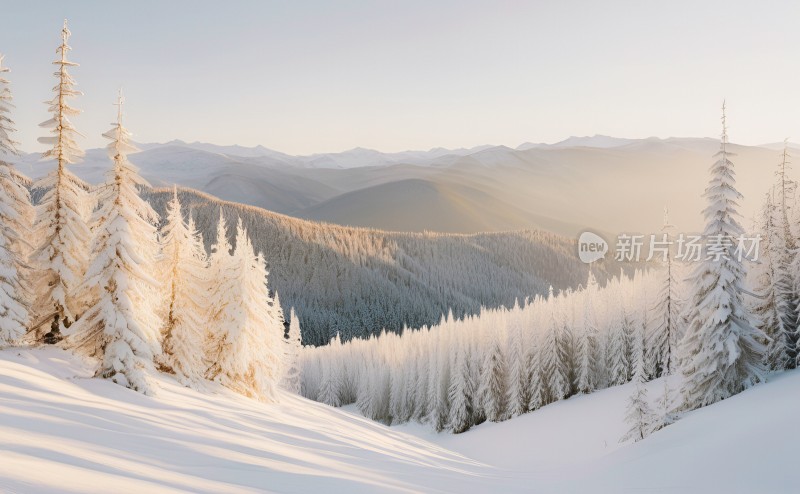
90,435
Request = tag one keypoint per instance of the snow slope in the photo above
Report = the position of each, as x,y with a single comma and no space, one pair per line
63,432
744,444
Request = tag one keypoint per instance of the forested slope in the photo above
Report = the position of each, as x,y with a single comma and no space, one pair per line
358,281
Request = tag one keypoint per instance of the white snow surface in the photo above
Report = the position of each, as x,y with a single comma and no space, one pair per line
63,431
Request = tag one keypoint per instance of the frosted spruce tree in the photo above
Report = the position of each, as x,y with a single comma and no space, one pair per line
585,378
293,346
665,332
183,277
221,313
640,417
60,229
721,353
783,352
536,384
16,214
775,288
246,344
492,388
462,389
519,378
329,386
554,358
121,325
617,364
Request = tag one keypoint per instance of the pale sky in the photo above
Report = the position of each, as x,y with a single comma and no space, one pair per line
319,76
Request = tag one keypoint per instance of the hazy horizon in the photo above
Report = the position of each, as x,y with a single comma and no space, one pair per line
102,145
313,77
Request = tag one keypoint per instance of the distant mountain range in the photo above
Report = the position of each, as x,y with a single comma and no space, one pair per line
603,183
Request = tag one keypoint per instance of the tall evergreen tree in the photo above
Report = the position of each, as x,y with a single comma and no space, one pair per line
586,378
461,390
721,353
665,333
554,357
772,308
293,346
121,325
17,214
60,227
518,395
492,390
183,277
329,387
221,313
246,349
640,417
787,274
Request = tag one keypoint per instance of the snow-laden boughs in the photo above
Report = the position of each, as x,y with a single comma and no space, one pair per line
17,214
183,276
722,352
665,332
518,390
640,417
221,312
779,273
292,347
493,385
245,348
462,388
60,229
773,282
554,354
587,361
121,325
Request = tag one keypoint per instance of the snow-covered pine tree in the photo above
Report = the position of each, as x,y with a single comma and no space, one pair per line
221,315
537,394
398,397
122,326
441,373
422,392
616,358
329,387
665,414
639,416
60,226
462,389
183,276
247,346
553,354
787,274
721,353
587,340
518,396
291,366
365,399
664,335
492,388
772,308
17,214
